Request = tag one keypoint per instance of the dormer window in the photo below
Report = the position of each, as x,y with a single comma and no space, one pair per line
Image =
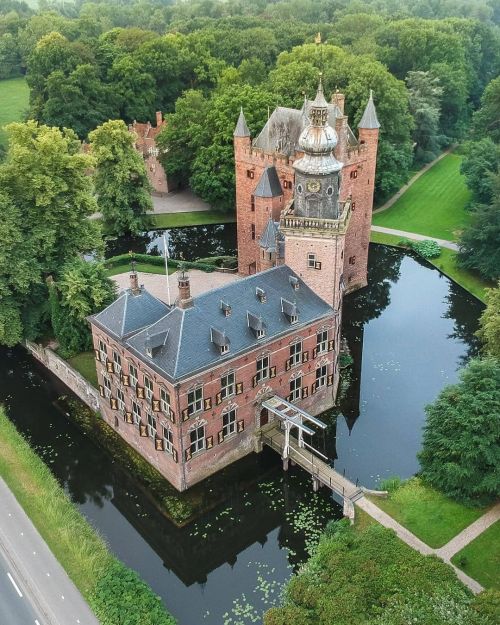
256,324
261,295
294,282
260,334
220,340
289,309
226,308
224,349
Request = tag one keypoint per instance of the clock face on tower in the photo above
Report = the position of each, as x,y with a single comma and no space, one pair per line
313,186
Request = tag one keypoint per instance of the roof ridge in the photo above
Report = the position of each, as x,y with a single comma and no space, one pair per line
122,330
179,342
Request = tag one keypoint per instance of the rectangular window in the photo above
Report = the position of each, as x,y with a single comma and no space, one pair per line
195,400
311,261
121,399
253,232
148,388
322,341
118,362
227,385
229,423
352,260
287,184
103,352
354,174
136,411
252,203
197,439
262,368
321,376
132,371
295,353
250,173
165,401
168,440
107,386
151,425
295,389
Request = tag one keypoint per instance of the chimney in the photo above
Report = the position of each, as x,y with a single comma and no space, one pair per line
134,283
159,119
185,300
339,99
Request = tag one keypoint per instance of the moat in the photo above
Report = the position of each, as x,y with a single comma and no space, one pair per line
408,331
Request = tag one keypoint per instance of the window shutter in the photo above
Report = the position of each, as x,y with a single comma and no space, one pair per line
155,404
288,364
129,418
97,355
313,388
272,372
113,403
331,344
305,392
254,381
239,388
185,414
171,415
110,367
218,399
188,454
240,426
175,455
315,352
220,436
317,265
208,403
159,446
139,391
101,390
330,380
125,380
143,430
305,356
209,442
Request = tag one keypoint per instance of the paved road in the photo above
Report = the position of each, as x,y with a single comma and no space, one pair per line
415,237
49,595
184,201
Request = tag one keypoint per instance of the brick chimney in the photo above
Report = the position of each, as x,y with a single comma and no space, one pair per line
159,119
185,300
339,99
134,283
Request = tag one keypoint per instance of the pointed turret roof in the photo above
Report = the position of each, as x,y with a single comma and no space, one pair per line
269,184
320,100
269,239
241,129
369,121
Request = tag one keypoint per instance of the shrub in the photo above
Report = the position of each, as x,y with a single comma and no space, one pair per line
158,261
426,249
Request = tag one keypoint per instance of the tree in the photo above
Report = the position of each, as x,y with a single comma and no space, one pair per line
82,289
481,162
121,182
489,331
425,106
487,119
461,444
46,198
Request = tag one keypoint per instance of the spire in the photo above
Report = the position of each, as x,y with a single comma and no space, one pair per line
369,121
241,129
319,107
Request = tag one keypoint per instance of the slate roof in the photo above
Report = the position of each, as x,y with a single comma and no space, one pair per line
241,129
269,184
130,313
369,121
189,347
270,236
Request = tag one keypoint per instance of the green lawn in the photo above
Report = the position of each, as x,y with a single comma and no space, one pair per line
428,514
197,218
481,558
14,96
84,363
145,267
434,205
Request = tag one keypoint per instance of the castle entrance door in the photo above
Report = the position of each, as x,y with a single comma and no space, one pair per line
264,417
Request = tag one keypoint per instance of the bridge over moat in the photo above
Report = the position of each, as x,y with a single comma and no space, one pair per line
277,435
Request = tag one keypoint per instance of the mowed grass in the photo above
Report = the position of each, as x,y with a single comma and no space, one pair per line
144,267
84,363
434,205
14,100
427,513
481,558
195,218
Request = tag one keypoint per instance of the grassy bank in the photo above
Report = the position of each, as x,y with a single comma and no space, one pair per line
434,205
114,592
85,365
428,514
14,98
481,558
196,218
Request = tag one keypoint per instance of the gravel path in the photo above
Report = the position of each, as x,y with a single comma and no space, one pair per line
184,201
415,237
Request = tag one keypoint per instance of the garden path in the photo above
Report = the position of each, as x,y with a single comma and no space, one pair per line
415,237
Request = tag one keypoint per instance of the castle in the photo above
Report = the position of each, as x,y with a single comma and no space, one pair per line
185,384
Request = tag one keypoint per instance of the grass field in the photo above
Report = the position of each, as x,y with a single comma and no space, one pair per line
197,218
431,516
84,363
434,205
14,96
145,267
481,558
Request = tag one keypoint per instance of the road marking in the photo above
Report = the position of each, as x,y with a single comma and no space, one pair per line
14,584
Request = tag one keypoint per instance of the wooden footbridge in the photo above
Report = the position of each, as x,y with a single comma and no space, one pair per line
277,435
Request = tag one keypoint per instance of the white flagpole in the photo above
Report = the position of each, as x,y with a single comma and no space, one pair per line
166,256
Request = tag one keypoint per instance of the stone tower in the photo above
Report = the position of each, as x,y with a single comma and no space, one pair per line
314,225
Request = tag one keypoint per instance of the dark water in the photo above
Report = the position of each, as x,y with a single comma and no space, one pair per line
409,331
188,243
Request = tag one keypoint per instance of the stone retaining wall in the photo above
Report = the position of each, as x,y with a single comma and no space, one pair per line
65,372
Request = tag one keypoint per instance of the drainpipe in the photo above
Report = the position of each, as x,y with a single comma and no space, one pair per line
181,423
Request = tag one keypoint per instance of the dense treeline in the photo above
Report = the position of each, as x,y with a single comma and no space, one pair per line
88,62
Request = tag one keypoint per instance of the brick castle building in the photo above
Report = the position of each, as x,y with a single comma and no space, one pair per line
184,385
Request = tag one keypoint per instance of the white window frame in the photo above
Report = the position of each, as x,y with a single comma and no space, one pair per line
229,388
195,400
148,387
120,398
321,376
103,351
117,362
165,401
136,412
296,391
311,260
168,440
198,443
133,378
295,354
151,425
263,368
229,428
107,385
322,341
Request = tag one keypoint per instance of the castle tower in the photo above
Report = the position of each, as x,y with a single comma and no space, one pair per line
314,226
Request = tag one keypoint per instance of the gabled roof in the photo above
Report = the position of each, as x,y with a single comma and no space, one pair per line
269,184
130,312
241,129
190,349
369,121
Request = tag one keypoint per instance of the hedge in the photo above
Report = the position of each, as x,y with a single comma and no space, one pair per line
159,261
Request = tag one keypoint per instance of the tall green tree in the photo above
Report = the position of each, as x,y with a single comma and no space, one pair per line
121,182
487,119
489,331
461,444
425,107
480,164
46,198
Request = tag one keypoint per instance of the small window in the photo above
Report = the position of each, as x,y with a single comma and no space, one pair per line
224,349
260,334
311,261
197,439
151,425
353,174
252,227
353,205
148,384
250,173
195,400
295,353
136,411
321,376
165,401
329,191
352,260
295,389
229,423
168,440
103,352
262,368
287,184
322,341
118,362
107,386
133,375
252,203
300,188
120,397
227,385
